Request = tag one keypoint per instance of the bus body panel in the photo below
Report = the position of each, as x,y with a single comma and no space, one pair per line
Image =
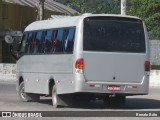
126,89
54,63
37,70
114,67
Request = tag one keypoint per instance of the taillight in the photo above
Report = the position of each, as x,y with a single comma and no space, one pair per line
147,66
79,65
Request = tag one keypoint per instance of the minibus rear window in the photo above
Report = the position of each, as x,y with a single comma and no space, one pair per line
113,35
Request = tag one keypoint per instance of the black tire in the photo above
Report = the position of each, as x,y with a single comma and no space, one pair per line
27,97
80,101
106,101
118,102
54,97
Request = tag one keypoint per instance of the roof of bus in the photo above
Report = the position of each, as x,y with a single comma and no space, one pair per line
66,21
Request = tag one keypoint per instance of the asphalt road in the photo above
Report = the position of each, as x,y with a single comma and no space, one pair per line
9,101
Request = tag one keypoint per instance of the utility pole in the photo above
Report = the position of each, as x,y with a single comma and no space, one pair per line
123,7
40,9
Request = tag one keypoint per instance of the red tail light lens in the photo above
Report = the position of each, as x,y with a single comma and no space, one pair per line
147,66
79,64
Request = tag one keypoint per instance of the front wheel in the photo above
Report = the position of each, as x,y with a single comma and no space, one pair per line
27,97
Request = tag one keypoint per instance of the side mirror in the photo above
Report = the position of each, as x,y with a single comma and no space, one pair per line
9,39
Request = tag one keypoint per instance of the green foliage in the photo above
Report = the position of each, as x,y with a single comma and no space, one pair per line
149,11
98,6
155,67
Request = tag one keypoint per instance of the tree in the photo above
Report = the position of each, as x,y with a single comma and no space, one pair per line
40,9
149,11
98,6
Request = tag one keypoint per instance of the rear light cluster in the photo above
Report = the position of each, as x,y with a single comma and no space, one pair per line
147,66
79,65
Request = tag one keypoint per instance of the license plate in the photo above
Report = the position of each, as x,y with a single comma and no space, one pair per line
114,88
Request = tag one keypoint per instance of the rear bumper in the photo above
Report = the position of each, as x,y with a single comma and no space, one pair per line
102,87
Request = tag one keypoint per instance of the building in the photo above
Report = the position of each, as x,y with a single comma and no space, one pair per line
15,15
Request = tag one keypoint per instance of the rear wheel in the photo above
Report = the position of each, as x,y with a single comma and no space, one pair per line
26,97
115,102
54,97
106,101
118,101
80,100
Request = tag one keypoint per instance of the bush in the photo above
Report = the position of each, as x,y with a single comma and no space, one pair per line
155,67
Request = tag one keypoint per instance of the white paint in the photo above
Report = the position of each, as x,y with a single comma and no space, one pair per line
8,73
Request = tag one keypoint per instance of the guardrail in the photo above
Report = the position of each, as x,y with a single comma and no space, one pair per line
8,73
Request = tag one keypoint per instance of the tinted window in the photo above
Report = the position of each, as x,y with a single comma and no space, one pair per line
113,36
54,41
58,45
69,40
48,41
38,42
29,45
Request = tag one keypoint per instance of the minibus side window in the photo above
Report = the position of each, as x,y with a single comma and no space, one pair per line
48,41
29,46
38,42
69,41
54,41
59,41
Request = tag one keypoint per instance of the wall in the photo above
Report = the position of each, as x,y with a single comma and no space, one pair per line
155,52
18,17
7,72
15,18
0,14
0,50
155,78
